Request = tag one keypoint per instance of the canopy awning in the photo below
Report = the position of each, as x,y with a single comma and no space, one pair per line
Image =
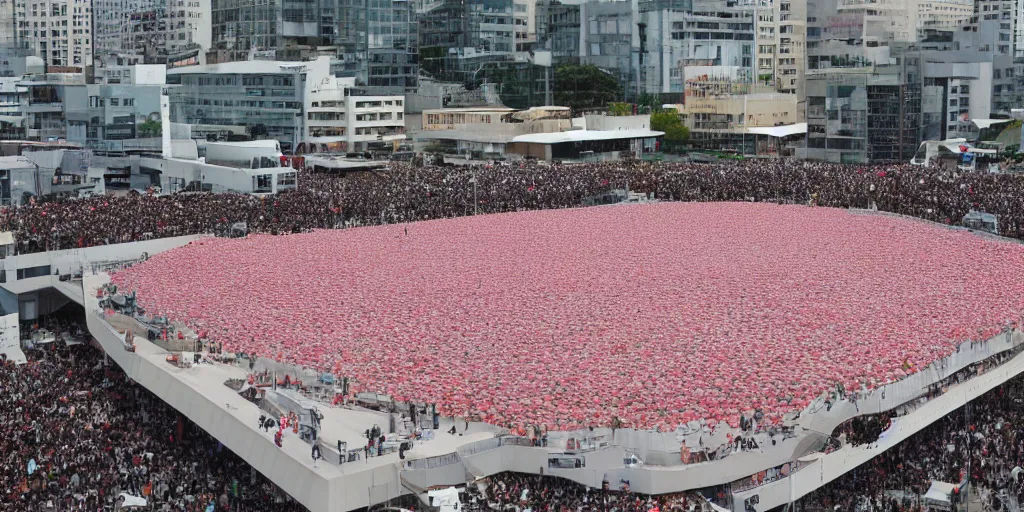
939,493
132,501
779,131
985,123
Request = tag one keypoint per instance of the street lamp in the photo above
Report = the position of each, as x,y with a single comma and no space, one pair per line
475,201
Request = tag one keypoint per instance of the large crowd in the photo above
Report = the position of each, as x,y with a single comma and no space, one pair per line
538,493
75,434
979,448
558,317
989,431
403,193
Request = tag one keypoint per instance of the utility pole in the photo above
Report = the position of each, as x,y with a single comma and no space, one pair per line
642,31
970,437
476,202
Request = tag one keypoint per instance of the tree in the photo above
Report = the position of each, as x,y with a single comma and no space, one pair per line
256,131
585,87
150,128
648,100
620,109
675,133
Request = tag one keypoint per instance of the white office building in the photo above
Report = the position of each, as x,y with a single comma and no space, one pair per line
293,102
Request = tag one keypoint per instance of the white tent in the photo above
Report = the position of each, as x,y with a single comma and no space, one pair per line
938,494
132,501
445,499
779,131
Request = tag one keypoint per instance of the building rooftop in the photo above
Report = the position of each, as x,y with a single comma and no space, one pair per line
251,67
16,162
470,109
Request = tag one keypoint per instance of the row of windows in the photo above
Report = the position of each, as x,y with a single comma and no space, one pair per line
293,105
97,101
323,131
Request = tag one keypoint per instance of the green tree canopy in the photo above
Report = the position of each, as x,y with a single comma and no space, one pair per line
668,121
584,87
620,109
150,128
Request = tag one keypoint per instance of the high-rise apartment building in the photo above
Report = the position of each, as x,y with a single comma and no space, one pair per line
558,30
156,29
8,23
525,19
461,40
712,33
790,19
375,41
59,32
609,40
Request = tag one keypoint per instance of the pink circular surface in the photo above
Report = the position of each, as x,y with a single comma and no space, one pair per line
654,314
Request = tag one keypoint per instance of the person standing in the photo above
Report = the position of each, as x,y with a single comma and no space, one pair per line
316,450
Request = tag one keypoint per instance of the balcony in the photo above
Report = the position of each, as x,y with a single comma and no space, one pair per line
877,5
44,107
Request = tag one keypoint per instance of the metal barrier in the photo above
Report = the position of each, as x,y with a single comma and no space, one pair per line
108,266
515,441
479,446
435,462
748,483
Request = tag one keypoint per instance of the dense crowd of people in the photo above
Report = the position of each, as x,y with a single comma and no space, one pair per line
75,434
489,311
403,193
538,493
864,429
989,431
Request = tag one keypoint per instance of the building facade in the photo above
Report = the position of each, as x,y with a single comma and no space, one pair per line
43,104
558,31
292,102
861,116
59,32
608,40
722,106
524,16
128,108
679,40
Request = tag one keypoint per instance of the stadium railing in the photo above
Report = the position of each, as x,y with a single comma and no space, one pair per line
435,462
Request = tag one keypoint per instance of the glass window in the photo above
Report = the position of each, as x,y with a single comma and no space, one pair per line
262,183
27,273
286,179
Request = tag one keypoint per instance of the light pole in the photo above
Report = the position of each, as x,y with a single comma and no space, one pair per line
475,201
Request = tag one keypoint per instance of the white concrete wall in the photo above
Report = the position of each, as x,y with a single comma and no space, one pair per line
649,446
73,260
358,487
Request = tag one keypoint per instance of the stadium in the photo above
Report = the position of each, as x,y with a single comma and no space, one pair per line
714,352
482,315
